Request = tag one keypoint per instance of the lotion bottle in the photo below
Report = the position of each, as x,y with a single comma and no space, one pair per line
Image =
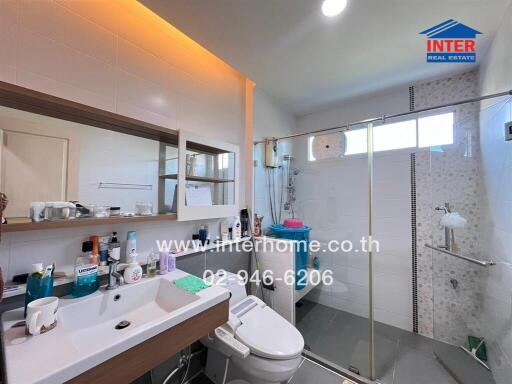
237,229
133,272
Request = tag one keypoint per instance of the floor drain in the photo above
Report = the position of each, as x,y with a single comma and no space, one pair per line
122,324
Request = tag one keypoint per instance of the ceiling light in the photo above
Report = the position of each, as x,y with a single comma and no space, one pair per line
331,8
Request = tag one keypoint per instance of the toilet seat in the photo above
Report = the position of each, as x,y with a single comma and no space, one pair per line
267,334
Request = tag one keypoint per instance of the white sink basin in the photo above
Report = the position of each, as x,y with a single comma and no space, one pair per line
86,333
93,320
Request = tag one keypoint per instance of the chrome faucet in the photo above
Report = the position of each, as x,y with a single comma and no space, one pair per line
115,279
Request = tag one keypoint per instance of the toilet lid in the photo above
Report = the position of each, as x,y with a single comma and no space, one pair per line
269,335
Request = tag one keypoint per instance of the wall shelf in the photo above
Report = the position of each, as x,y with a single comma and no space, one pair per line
84,222
204,179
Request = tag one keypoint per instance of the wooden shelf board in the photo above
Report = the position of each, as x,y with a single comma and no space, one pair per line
84,222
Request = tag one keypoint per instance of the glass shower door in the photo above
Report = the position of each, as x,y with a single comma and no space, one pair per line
324,181
456,213
333,198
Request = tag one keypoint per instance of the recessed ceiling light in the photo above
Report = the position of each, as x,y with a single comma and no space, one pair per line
331,8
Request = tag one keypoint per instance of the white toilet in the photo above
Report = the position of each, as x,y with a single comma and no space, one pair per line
256,345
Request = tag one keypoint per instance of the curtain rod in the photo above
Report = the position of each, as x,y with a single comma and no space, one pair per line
347,126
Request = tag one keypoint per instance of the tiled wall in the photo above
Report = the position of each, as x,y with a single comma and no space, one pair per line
496,76
118,56
270,120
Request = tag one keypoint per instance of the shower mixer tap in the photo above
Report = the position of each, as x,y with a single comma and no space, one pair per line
448,233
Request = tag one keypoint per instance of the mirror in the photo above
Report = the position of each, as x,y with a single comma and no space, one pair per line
44,159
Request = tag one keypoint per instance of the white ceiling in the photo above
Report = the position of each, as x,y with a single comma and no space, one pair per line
307,61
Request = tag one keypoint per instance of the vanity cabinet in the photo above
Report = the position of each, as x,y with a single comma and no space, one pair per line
131,364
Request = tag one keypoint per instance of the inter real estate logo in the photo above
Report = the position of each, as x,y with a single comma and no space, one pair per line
451,42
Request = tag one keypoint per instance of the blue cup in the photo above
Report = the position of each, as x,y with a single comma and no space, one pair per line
37,288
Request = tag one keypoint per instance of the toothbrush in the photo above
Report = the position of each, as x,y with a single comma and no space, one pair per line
48,271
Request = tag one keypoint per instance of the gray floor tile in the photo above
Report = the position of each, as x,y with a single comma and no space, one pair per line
309,373
415,367
401,357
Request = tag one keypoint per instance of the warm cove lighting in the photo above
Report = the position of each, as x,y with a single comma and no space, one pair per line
331,8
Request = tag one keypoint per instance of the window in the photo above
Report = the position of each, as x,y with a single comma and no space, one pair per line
427,131
435,130
356,142
385,137
394,136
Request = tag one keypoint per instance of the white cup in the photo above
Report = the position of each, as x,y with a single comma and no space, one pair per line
37,211
41,315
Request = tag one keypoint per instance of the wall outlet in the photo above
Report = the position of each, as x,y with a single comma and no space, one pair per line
508,131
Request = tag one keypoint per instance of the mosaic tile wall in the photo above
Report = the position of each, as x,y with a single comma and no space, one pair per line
449,289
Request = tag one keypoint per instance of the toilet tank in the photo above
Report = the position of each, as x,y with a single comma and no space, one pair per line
233,282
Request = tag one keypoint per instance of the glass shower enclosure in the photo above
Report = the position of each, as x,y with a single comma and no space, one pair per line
422,303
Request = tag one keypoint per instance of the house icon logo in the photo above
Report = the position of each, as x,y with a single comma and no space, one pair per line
451,42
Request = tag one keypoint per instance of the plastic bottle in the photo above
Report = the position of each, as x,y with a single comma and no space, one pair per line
114,247
164,262
104,247
133,272
203,234
171,263
95,239
131,243
86,272
237,229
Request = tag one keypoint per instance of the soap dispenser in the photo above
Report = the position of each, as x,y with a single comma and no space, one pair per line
133,272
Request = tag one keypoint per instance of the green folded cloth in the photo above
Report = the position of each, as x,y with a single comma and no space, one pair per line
191,284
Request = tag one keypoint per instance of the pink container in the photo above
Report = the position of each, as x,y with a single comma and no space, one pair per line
293,223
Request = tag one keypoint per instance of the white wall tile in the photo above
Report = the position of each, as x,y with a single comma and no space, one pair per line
50,19
116,56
